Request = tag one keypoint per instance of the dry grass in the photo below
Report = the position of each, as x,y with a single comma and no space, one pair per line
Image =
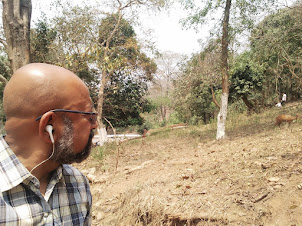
185,177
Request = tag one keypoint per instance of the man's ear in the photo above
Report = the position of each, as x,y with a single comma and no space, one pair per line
49,118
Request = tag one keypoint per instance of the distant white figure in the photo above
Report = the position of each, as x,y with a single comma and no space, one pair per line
283,100
278,105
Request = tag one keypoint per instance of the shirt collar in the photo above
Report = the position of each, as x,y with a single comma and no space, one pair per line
12,171
55,178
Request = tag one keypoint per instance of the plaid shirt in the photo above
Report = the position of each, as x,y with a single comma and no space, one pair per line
67,200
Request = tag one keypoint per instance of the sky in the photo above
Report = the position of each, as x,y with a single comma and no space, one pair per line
170,36
167,32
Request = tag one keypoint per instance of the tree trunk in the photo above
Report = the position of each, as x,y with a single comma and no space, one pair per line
249,105
105,77
221,118
16,18
163,112
101,128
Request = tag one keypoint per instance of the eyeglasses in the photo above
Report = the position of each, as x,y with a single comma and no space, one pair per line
93,115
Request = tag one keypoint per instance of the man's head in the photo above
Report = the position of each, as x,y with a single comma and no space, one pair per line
37,89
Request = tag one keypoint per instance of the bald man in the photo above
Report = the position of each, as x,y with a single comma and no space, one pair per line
49,124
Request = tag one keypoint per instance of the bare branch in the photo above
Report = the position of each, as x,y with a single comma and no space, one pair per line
3,42
214,98
3,79
290,66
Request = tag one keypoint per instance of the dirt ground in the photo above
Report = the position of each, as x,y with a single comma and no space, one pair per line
180,178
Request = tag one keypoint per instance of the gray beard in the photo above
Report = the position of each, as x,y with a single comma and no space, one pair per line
64,152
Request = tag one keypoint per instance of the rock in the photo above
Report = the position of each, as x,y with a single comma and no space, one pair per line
273,179
99,216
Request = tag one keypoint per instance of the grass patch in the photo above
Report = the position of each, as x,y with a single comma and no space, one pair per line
99,152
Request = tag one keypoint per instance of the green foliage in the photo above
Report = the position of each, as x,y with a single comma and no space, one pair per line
124,101
193,99
124,52
46,47
5,70
195,103
276,44
42,38
128,69
174,119
76,41
160,106
246,81
99,152
243,15
124,32
237,106
147,125
148,106
272,66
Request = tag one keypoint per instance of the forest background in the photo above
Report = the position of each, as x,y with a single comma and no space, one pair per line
136,87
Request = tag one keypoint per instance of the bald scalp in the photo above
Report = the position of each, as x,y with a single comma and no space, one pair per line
37,88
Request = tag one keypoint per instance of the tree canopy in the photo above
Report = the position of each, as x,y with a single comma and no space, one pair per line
276,44
270,66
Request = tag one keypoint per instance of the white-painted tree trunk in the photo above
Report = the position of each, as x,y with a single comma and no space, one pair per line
103,138
221,118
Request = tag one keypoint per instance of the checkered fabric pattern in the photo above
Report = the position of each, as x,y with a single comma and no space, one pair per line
67,200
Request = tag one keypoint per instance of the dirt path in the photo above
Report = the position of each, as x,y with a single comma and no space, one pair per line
178,180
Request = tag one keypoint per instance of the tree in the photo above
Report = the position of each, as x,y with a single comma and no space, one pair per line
41,44
193,100
116,52
100,47
168,68
276,45
76,31
238,18
199,79
221,118
124,100
125,87
247,81
16,24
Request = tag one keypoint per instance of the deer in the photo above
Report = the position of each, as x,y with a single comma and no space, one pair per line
285,118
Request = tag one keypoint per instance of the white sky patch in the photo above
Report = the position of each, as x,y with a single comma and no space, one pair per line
169,34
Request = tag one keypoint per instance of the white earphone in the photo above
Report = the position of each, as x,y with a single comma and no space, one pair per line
49,128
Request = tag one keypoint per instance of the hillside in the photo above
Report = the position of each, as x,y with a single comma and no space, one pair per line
186,177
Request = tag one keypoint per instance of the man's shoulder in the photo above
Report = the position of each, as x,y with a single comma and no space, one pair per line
73,174
76,183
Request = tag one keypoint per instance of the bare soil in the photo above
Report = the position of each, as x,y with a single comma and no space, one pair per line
185,177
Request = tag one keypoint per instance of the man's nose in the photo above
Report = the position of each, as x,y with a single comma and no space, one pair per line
94,125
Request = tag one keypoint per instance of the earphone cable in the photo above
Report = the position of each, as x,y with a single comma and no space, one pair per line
53,151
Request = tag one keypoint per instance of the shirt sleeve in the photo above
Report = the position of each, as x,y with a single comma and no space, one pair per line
88,217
